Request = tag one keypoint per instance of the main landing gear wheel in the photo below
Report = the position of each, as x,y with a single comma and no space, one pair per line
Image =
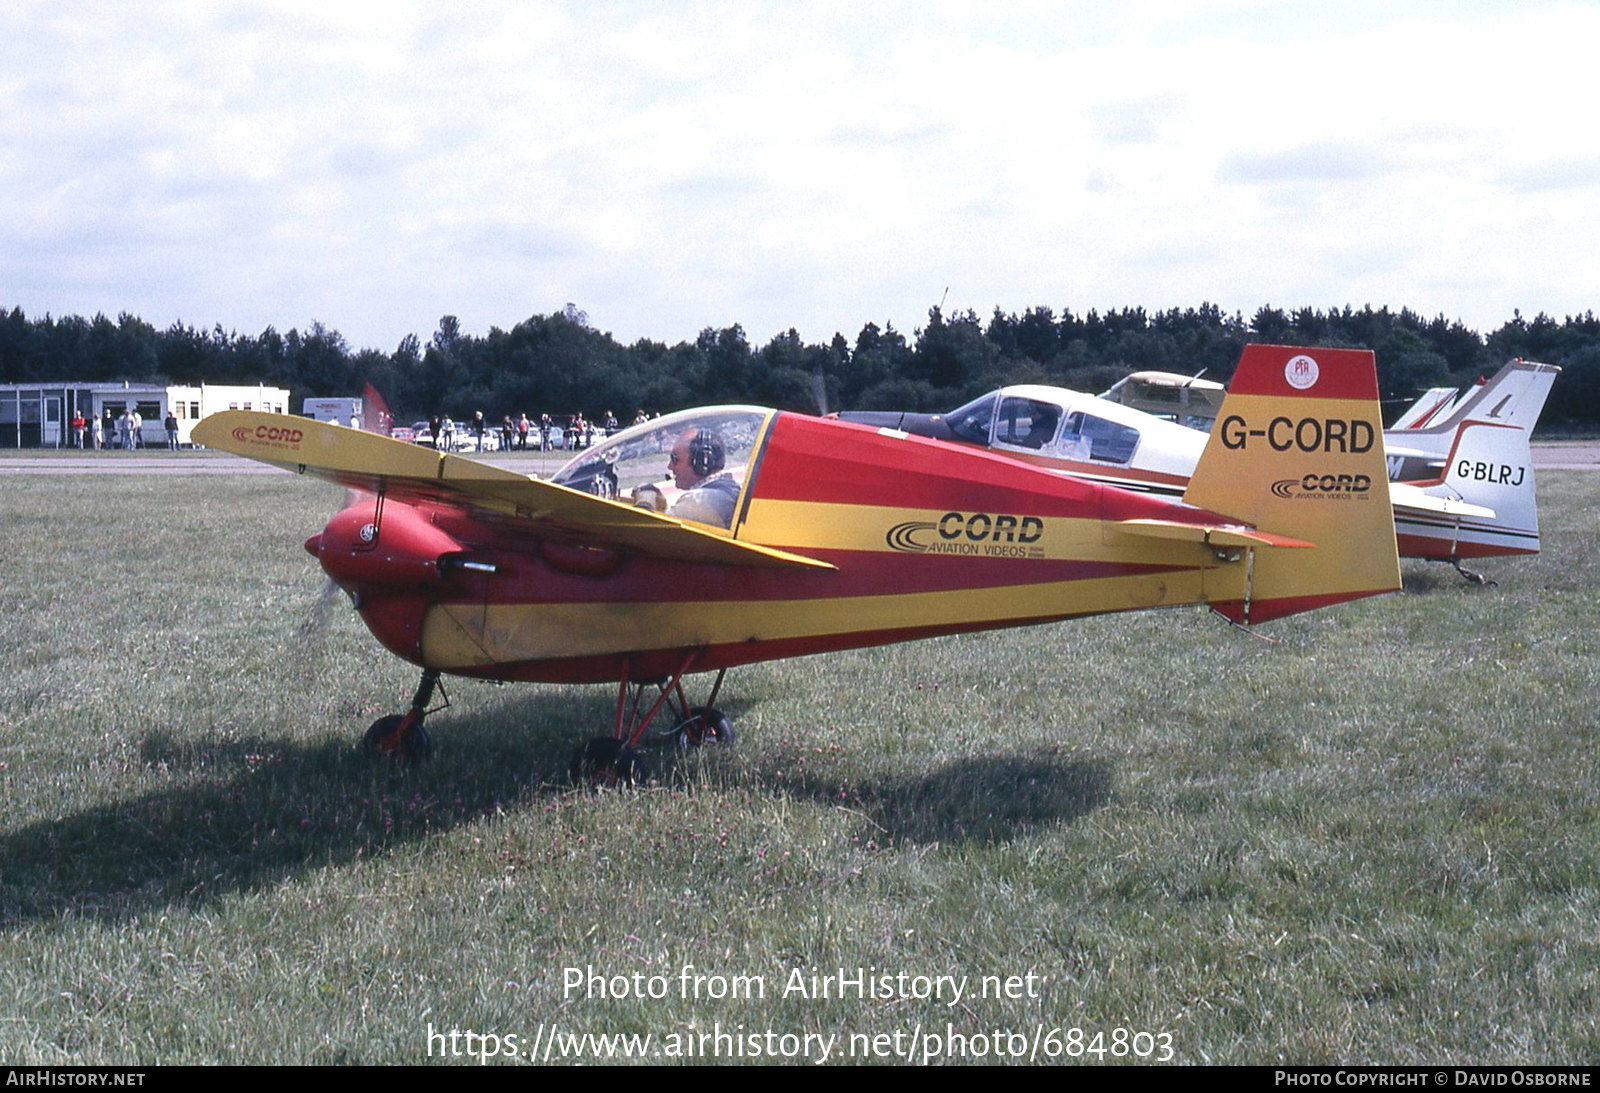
704,725
401,736
606,763
398,736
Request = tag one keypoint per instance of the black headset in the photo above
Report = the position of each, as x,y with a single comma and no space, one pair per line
706,454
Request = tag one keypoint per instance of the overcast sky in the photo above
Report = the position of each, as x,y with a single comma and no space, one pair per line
673,166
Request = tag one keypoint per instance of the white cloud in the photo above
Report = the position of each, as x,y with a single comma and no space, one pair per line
816,165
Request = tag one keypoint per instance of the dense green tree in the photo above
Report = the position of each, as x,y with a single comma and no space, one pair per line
950,354
1406,366
560,364
1272,326
729,361
21,355
184,354
879,355
1575,397
783,378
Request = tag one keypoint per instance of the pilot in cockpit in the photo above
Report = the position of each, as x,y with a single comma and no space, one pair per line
1042,427
696,464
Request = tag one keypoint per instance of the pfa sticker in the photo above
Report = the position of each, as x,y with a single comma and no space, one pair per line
1300,371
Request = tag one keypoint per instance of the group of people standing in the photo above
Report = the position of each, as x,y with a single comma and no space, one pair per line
99,432
524,433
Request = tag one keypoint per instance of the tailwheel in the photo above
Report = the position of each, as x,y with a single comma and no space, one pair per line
1472,576
607,763
704,725
398,736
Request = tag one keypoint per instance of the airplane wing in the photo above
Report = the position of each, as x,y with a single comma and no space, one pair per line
408,472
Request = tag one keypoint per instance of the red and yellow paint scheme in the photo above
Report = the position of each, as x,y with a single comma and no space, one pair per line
840,536
1460,469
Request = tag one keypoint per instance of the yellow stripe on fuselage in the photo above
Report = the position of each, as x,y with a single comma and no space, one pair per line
813,526
470,635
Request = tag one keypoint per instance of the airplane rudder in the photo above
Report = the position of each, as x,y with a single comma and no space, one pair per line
1492,465
1290,411
1298,450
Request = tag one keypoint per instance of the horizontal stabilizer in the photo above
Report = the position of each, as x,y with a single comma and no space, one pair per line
1230,535
1405,496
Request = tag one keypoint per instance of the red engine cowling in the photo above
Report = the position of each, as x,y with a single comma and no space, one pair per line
392,561
392,546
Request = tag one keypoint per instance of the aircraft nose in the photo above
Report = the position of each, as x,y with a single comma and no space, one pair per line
314,545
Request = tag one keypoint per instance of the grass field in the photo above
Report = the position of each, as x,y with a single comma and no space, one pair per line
1373,841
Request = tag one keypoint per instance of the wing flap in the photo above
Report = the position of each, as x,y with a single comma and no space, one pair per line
407,472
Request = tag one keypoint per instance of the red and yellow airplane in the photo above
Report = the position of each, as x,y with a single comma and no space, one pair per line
1460,469
780,535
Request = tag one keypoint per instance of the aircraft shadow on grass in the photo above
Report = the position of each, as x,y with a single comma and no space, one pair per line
246,815
991,798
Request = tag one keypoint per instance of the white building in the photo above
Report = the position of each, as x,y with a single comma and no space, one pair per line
39,415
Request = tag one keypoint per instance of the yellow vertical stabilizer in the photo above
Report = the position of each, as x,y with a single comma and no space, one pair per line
1297,450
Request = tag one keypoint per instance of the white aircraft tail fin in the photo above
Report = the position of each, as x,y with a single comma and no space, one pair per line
1478,453
1435,402
1491,466
1515,396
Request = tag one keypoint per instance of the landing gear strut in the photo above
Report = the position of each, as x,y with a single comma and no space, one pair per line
614,760
401,736
1471,577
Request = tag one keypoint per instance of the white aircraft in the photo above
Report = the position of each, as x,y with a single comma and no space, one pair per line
1461,480
1475,447
1187,400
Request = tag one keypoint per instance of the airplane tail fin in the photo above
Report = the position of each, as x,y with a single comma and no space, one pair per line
1490,466
1479,453
1515,395
1435,402
1297,451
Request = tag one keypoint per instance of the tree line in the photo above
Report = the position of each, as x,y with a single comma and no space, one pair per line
560,364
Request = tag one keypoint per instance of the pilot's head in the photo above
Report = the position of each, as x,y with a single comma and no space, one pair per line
1042,426
697,454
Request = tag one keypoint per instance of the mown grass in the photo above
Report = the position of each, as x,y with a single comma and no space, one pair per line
1373,841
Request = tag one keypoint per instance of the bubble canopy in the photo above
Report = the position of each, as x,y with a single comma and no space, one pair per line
635,457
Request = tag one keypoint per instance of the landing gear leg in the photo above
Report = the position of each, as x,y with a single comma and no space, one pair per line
1471,577
401,736
699,726
613,760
